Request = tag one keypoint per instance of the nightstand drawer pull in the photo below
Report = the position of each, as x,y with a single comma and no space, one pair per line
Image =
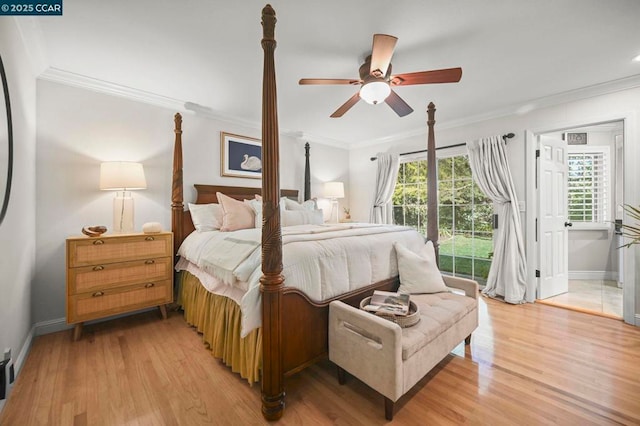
98,294
149,239
149,285
98,268
149,262
98,242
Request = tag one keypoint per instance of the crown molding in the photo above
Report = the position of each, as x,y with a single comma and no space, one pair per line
600,89
69,78
306,137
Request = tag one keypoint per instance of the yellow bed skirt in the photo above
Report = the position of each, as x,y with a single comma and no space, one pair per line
218,319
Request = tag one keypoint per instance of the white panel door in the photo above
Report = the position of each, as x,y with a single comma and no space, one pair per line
552,217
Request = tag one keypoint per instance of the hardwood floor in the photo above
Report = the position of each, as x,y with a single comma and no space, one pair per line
528,364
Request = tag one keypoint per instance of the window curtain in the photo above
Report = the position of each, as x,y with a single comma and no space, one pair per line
490,170
386,176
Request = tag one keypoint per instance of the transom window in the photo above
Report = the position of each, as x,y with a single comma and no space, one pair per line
464,212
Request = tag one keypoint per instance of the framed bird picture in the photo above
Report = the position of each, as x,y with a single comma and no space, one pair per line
240,156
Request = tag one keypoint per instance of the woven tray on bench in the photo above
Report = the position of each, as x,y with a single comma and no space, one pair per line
404,321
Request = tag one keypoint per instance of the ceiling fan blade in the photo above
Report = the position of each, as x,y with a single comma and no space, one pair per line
448,75
328,81
346,106
381,53
398,105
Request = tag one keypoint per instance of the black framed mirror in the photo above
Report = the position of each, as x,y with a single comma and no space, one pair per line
6,145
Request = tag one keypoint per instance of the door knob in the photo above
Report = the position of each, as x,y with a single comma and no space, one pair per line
566,224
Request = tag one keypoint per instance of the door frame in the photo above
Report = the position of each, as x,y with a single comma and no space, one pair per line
630,193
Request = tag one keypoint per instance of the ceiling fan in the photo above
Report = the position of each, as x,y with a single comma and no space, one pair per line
376,79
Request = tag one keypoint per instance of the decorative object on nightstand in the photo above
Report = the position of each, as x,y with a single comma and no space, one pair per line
94,231
333,191
114,274
347,213
122,176
152,227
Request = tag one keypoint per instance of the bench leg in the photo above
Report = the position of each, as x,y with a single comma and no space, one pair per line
467,340
342,376
388,409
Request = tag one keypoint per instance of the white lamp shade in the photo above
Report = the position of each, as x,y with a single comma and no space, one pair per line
122,175
334,190
375,92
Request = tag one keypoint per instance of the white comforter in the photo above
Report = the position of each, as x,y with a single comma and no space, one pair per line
323,261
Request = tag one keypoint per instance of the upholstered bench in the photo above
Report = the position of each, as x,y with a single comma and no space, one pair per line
392,359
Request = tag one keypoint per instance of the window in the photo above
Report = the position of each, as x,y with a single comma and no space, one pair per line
410,195
588,186
464,214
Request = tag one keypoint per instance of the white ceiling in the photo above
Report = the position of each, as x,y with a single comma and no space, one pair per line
208,53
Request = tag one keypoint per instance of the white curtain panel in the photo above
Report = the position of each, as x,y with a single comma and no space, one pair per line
382,209
490,169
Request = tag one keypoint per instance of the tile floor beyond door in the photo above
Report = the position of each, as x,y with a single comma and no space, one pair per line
594,295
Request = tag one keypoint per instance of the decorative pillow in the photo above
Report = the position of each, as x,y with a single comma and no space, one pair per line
418,271
206,217
294,205
302,217
237,215
256,205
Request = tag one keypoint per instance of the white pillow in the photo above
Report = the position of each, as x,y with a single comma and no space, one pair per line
294,205
206,217
302,217
256,205
237,215
418,271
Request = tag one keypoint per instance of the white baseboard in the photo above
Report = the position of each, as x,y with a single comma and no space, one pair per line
19,362
60,324
24,351
638,320
51,326
593,275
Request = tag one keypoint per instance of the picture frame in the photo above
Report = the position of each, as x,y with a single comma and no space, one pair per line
576,138
240,156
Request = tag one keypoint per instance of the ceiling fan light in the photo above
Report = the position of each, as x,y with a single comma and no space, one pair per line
375,92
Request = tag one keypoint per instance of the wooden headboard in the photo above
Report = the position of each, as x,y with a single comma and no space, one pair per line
206,194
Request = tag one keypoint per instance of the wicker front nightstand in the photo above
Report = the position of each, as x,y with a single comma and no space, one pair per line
113,274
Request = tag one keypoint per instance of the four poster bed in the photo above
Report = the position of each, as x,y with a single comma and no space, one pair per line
293,327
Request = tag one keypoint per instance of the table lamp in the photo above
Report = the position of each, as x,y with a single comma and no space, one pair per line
122,176
333,191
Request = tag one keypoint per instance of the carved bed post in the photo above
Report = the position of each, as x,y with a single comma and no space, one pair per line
271,282
307,173
432,181
177,207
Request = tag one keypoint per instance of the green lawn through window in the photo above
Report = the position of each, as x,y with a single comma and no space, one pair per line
470,253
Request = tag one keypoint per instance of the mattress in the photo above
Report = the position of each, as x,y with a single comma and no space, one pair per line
323,261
